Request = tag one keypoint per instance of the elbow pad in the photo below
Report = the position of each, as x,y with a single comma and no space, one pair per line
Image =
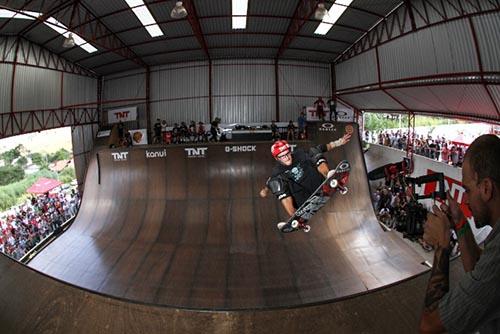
277,187
316,153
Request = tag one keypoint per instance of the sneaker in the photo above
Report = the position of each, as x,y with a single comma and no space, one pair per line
330,173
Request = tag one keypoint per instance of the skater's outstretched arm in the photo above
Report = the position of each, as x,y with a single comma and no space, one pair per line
339,142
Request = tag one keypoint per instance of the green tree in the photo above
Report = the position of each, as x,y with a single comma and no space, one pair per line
61,154
67,175
10,155
378,122
22,162
10,174
36,158
15,193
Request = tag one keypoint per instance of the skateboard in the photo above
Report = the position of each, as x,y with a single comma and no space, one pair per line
335,182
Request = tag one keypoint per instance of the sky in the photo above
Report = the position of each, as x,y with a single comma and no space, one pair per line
48,141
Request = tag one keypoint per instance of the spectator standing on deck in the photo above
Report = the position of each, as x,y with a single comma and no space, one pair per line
157,132
290,133
319,104
301,121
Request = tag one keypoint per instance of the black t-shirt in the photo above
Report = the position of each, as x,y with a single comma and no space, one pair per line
157,129
301,178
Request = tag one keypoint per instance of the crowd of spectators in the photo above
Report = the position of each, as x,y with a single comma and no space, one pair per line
23,227
438,148
198,132
396,209
195,132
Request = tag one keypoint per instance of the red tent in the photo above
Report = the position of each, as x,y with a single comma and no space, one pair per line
43,185
460,140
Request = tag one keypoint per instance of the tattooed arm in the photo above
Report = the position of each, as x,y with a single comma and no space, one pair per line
437,287
437,233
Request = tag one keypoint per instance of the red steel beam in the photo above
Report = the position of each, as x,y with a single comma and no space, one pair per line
304,9
194,21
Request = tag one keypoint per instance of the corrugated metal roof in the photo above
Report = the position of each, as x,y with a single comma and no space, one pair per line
363,19
379,7
371,100
495,95
439,49
488,35
228,53
267,24
361,70
243,41
443,49
273,8
311,55
212,8
174,57
5,90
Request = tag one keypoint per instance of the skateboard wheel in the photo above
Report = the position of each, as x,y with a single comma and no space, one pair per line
334,183
307,228
344,191
295,223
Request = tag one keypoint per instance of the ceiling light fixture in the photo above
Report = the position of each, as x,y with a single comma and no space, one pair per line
335,12
178,12
320,12
69,42
53,24
143,14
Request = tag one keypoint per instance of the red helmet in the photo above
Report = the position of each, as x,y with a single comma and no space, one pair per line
279,147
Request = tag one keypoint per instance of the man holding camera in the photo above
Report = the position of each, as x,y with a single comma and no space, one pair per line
474,304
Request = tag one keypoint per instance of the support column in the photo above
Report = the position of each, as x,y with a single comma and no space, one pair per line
210,93
410,141
277,90
148,104
333,80
100,118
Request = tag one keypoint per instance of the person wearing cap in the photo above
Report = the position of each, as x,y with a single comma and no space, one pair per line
298,174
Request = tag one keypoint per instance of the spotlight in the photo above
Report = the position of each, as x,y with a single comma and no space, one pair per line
179,12
320,12
69,42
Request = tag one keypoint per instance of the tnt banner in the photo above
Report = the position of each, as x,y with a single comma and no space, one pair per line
139,137
122,114
344,114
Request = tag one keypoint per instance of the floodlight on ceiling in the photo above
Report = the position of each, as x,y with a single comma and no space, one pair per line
334,13
53,24
178,12
320,12
69,42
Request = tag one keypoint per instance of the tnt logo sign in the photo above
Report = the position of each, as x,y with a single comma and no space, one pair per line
455,188
327,127
196,152
121,114
293,147
119,156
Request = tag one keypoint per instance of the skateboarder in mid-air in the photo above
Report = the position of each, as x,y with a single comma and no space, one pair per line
297,175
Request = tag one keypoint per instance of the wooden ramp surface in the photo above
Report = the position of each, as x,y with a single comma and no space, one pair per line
187,229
